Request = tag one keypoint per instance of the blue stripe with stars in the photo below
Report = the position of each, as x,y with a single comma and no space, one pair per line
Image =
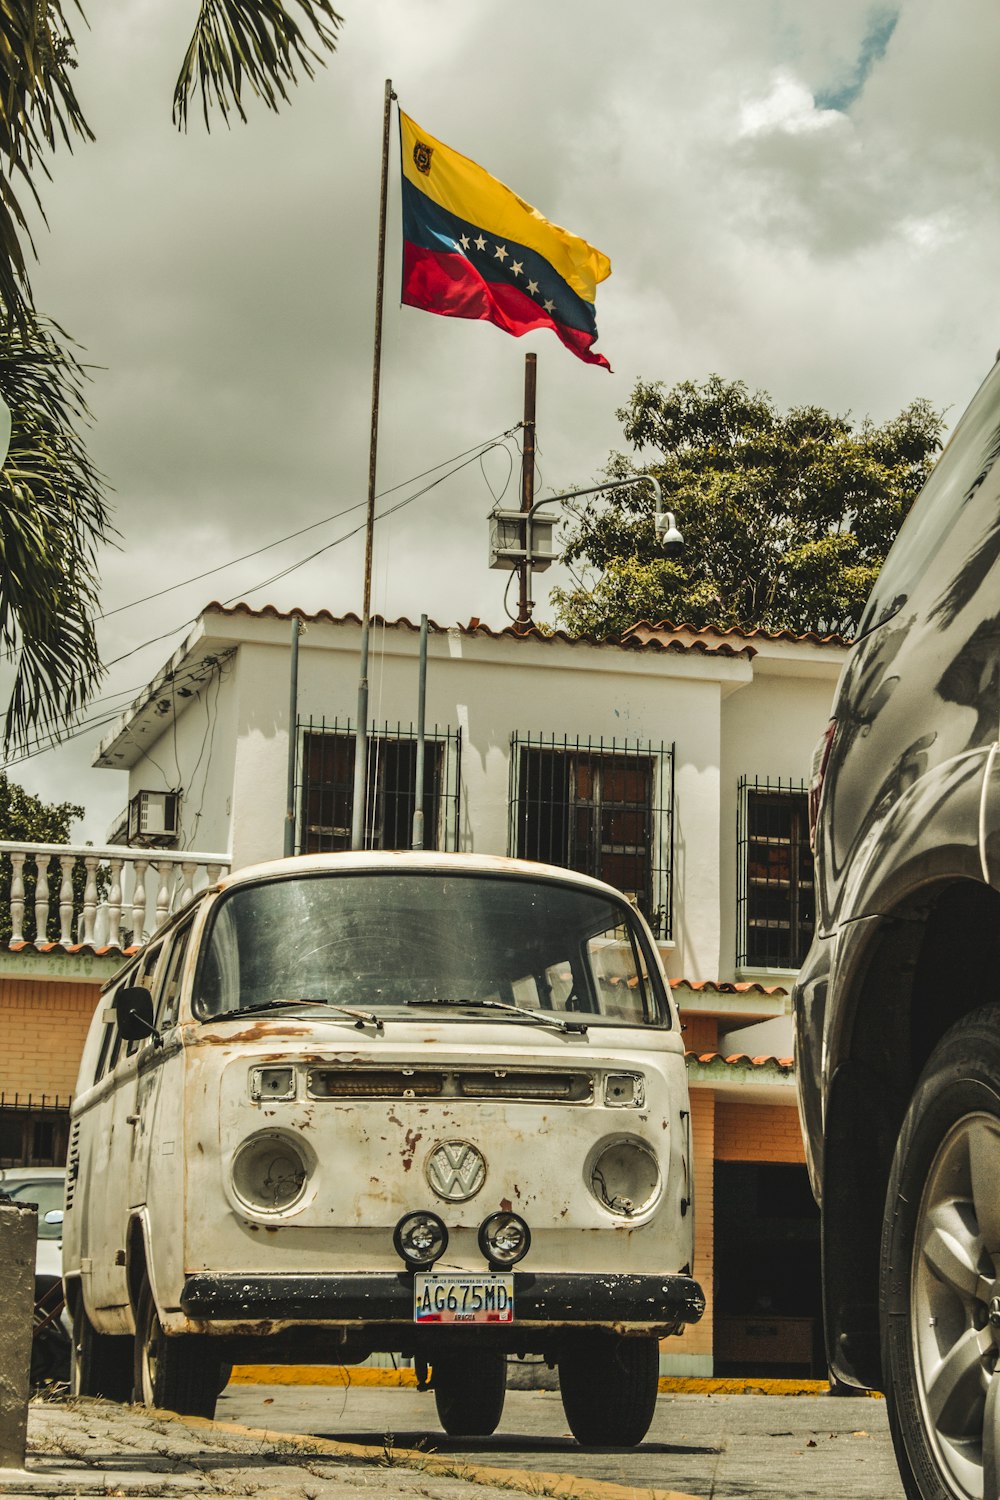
431,227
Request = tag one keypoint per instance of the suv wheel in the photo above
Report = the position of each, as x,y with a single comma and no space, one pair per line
940,1271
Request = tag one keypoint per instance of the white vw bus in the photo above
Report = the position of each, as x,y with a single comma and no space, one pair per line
420,1103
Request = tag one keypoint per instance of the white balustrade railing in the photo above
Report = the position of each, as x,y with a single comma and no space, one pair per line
127,894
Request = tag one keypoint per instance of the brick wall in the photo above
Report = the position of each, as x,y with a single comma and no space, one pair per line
43,1025
757,1132
701,1033
698,1339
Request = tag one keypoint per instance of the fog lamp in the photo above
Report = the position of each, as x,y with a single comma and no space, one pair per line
504,1239
420,1239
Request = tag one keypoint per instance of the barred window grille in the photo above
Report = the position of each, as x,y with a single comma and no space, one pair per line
602,807
325,789
33,1131
775,901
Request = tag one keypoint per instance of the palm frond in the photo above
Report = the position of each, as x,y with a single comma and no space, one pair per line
38,106
251,44
53,519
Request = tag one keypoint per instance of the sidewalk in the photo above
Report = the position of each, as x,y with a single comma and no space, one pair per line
85,1447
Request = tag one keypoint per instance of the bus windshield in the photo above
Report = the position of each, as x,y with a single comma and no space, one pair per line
409,941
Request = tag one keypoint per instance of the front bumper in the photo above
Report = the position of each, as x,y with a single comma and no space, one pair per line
652,1302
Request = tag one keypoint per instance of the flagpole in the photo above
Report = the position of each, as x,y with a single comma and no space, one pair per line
361,732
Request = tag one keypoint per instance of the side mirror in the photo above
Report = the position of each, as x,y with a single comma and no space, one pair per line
134,1014
54,1216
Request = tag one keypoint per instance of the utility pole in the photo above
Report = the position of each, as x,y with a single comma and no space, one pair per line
524,604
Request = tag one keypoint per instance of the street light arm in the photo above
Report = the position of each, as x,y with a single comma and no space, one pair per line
595,489
664,526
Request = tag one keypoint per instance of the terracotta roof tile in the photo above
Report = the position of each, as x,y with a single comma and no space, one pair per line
705,644
741,1059
738,633
727,987
109,951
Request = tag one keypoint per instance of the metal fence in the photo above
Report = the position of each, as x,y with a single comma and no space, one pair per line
603,807
324,791
775,901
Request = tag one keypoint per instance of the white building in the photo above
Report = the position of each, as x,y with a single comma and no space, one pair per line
672,763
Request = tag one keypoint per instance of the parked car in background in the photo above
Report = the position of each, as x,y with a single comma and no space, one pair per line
45,1186
897,1013
428,1104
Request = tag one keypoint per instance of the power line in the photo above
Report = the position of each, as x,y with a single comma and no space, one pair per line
479,450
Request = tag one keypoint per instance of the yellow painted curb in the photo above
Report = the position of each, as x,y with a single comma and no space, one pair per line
367,1375
320,1375
528,1481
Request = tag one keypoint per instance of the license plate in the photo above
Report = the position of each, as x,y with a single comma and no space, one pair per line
463,1299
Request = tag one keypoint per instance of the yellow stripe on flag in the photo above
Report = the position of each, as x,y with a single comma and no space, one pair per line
468,191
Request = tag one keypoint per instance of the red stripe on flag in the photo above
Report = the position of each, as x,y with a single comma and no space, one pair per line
447,284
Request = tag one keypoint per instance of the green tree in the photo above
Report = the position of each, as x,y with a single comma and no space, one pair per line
53,505
787,517
27,819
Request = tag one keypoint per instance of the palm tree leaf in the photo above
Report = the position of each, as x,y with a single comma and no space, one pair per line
54,518
255,44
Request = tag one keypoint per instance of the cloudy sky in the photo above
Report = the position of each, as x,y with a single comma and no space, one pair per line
797,194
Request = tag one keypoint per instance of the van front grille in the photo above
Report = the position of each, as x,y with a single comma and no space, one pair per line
469,1083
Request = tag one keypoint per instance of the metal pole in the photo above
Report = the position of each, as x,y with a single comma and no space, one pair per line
293,736
525,602
361,734
418,793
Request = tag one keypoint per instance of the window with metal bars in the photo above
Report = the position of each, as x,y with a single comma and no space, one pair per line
325,791
33,1133
603,808
775,900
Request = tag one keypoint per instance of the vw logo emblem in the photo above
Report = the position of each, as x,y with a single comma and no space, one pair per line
456,1170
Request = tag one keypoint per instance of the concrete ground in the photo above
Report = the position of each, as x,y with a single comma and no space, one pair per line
770,1447
339,1443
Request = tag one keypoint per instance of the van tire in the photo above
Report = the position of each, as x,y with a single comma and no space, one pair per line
100,1363
181,1374
940,1220
608,1388
469,1392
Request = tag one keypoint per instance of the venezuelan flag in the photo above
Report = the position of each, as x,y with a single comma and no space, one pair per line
474,249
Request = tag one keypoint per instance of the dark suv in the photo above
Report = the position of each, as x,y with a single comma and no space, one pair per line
898,1005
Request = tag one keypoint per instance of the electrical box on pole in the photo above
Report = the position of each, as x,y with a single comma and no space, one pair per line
507,550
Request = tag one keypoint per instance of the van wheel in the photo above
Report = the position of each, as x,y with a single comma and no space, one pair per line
939,1299
100,1363
608,1388
181,1374
469,1391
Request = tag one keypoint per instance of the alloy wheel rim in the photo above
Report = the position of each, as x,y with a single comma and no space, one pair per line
955,1302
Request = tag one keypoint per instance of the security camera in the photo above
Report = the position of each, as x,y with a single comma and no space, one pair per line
667,534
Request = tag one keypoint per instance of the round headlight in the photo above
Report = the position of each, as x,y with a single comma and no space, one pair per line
624,1176
420,1239
504,1239
269,1172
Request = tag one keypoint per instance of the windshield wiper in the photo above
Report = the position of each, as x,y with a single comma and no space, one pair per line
361,1018
540,1017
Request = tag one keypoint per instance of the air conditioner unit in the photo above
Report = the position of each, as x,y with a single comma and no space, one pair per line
153,819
